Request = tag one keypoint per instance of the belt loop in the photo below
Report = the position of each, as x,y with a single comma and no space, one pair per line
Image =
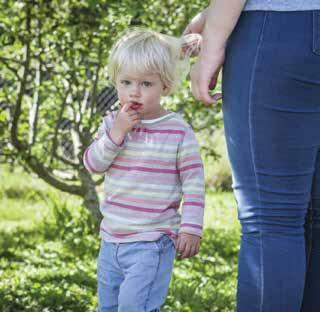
316,32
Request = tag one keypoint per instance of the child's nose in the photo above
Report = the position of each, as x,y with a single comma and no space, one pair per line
135,91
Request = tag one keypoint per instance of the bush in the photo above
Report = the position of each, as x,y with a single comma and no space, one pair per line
76,228
217,170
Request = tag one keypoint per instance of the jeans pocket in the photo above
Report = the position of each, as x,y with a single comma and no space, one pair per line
164,242
316,32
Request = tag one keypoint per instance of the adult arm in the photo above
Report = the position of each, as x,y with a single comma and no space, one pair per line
220,19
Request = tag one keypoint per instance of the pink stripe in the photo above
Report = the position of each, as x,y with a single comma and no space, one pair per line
118,234
169,131
153,210
188,158
87,162
140,214
145,161
194,196
146,201
189,174
137,168
193,204
146,178
191,167
191,225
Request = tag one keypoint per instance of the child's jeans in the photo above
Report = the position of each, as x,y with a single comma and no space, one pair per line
134,277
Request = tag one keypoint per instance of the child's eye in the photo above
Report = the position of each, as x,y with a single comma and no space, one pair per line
146,83
125,82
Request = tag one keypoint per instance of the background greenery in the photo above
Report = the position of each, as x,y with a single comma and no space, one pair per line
53,65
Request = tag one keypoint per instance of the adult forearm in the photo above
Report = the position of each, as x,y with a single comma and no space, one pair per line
221,18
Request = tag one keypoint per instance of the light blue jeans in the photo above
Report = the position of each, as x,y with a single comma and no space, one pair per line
134,277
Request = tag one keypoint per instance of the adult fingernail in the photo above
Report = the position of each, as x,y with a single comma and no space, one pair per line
216,97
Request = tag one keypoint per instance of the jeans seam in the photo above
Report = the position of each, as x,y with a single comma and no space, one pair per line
316,32
153,280
252,150
116,256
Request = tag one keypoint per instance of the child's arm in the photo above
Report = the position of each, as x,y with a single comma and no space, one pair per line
109,141
192,178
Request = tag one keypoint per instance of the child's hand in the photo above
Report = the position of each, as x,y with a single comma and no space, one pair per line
188,245
191,45
126,119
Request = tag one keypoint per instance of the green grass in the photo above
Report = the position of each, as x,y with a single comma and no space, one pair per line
24,199
48,253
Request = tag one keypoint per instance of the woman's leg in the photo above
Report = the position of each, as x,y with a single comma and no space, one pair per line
271,92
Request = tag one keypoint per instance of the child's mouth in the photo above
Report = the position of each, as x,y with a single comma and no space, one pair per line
135,105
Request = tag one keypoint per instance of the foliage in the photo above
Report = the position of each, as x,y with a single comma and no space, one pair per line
217,169
53,63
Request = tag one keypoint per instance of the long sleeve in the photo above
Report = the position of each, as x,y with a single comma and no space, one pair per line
102,151
191,174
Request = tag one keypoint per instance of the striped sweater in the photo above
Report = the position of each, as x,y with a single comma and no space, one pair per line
157,167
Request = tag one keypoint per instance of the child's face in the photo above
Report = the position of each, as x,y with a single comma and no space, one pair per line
142,93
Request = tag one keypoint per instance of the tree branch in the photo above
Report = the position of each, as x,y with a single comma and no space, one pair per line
22,87
7,59
67,161
34,110
95,84
15,71
36,166
55,137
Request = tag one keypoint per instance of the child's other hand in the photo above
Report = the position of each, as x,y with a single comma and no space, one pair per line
188,245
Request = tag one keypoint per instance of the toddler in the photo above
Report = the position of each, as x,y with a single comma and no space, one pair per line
151,162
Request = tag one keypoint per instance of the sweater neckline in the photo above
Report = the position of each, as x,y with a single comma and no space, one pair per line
156,120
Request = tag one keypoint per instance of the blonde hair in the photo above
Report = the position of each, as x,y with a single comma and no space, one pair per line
144,51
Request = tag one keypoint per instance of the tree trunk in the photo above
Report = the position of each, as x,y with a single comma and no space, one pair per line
90,198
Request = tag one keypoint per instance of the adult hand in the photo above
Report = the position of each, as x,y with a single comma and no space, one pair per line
215,26
188,245
197,23
204,75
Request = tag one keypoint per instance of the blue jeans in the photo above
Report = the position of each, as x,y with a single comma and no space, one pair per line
134,277
271,107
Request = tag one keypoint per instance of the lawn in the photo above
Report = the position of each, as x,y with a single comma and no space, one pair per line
48,253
